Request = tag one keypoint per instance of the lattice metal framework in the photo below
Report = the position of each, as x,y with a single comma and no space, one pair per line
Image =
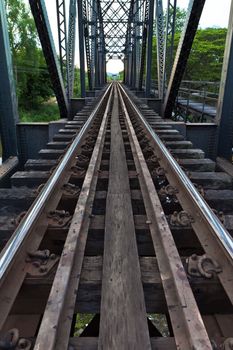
160,46
71,46
62,39
116,29
169,38
115,19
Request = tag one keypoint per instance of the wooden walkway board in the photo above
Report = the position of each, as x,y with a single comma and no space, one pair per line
123,322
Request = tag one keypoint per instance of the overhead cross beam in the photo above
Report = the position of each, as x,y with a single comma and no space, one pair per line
192,20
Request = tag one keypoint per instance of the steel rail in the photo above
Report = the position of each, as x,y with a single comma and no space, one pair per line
182,307
214,238
24,228
60,306
219,230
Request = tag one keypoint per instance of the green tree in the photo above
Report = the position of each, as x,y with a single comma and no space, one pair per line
206,56
32,78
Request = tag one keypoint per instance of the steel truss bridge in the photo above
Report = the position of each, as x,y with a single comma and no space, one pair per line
116,210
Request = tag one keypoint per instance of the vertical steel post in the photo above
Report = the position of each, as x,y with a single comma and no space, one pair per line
160,46
137,42
102,56
224,116
8,103
81,48
169,38
62,41
71,45
143,56
149,49
193,16
93,49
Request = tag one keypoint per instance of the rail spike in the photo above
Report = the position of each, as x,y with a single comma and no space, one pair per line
202,266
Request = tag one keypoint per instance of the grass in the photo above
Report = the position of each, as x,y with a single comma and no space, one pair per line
45,112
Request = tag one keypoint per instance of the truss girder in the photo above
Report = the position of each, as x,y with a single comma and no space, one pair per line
62,39
160,46
71,46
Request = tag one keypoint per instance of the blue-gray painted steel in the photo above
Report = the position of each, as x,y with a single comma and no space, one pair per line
160,46
43,27
8,102
143,45
192,19
71,45
149,48
225,104
62,41
81,48
169,38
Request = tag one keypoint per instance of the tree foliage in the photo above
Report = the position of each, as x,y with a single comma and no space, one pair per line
206,57
32,78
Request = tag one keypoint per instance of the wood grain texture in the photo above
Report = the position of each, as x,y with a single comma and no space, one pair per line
123,323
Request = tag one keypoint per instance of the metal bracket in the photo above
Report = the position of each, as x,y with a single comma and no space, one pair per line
40,262
78,171
152,161
202,266
39,188
180,219
11,340
87,149
168,194
82,161
220,215
228,344
59,219
70,190
19,218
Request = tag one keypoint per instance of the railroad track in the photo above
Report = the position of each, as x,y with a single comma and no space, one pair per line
107,223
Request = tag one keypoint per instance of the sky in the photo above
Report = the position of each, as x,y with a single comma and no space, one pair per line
215,13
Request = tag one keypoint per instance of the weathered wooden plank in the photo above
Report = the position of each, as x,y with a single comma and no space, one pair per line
212,180
188,153
57,318
91,343
123,323
33,296
197,164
